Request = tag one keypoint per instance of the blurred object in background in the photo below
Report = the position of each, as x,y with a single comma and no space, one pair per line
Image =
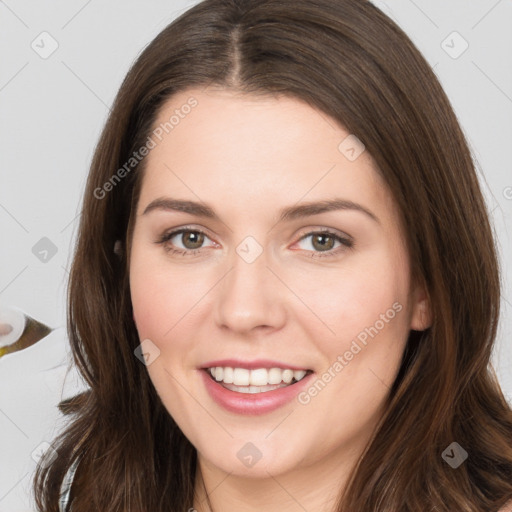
19,330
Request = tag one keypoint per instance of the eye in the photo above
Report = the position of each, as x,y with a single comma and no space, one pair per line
323,242
191,241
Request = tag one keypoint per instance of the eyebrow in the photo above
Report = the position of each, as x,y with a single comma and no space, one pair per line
286,214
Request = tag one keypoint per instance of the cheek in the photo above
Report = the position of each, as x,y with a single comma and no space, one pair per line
150,290
355,296
165,298
156,303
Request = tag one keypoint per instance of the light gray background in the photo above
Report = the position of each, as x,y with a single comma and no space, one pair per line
52,110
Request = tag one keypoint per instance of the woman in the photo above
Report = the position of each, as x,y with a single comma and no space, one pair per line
285,290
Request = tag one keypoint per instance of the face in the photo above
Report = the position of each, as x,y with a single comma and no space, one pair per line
240,285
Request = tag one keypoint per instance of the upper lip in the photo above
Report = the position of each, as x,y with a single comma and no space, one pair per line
251,365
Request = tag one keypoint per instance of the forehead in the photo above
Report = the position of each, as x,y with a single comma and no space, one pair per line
245,151
247,128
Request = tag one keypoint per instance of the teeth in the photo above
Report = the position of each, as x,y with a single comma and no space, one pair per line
241,377
253,389
275,375
299,374
259,377
287,376
228,375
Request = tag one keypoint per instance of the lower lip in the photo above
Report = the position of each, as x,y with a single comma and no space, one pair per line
254,403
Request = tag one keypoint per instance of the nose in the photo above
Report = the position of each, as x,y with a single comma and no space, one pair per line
250,297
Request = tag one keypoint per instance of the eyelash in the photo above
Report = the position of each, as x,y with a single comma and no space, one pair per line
346,242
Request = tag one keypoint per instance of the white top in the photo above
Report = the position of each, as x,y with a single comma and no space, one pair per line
65,490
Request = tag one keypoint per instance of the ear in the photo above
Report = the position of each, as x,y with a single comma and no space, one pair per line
421,314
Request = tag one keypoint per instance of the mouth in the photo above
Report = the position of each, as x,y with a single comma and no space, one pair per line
253,388
255,380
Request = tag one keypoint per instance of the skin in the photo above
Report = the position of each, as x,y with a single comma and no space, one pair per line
248,157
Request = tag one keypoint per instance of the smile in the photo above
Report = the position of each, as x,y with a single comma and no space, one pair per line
256,390
259,380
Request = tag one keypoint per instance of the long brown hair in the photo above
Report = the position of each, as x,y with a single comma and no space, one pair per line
347,59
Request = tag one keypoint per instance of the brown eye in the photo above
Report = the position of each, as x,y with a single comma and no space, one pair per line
192,239
323,242
184,241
